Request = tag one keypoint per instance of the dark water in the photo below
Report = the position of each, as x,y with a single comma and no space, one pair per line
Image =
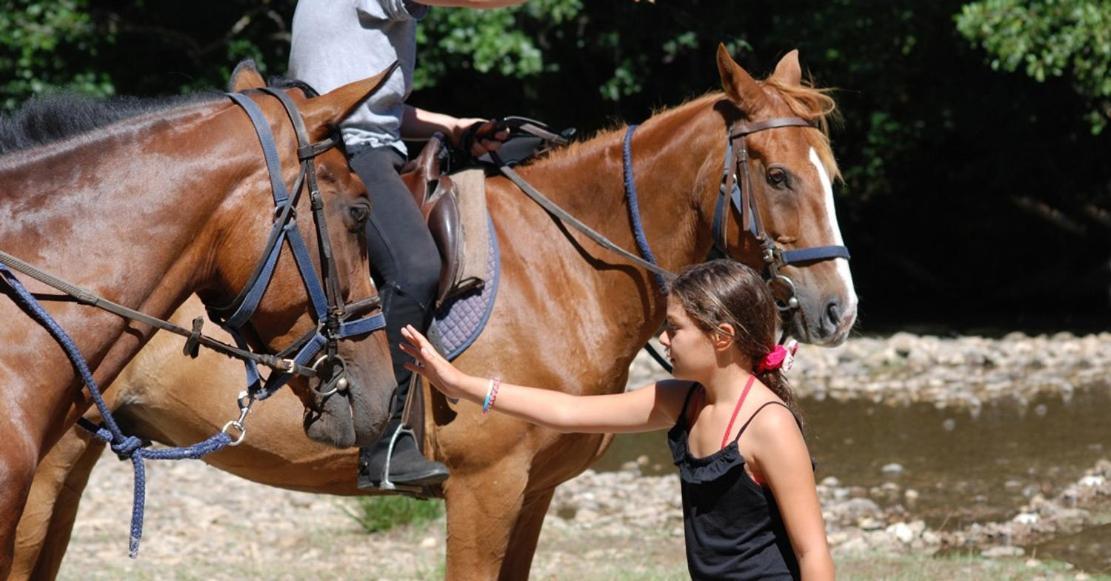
965,469
1089,550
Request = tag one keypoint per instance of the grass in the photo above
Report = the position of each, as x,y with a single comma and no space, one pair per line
376,514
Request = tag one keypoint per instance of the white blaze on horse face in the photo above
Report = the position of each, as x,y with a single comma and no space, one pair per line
841,264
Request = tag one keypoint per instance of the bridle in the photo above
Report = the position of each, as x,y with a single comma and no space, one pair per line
740,194
316,352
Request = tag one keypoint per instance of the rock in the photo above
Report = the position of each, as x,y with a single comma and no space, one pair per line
892,469
428,542
997,552
870,524
902,532
1093,481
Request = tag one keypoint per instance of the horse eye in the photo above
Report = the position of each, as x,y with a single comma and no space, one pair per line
777,177
359,213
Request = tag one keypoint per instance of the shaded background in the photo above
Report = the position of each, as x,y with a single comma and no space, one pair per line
976,159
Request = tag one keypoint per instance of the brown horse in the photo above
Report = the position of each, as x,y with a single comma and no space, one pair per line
146,211
568,316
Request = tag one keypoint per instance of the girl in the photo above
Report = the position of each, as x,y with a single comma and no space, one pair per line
750,504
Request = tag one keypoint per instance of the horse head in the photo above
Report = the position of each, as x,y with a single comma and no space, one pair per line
347,403
784,171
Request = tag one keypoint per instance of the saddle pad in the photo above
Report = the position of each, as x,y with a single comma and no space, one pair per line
461,319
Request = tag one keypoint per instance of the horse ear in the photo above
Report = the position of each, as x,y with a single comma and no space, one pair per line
788,72
737,83
245,76
324,113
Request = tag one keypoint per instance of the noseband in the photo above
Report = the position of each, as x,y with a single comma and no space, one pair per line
335,320
740,194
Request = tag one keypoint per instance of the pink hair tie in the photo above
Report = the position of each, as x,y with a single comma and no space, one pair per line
780,357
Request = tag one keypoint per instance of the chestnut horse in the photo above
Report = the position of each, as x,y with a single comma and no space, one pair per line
144,211
568,316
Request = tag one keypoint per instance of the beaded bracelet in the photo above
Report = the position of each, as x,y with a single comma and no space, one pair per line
491,395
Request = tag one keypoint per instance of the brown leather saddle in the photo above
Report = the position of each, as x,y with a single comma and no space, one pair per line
438,197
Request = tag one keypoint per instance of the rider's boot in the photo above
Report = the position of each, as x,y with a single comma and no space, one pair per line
407,466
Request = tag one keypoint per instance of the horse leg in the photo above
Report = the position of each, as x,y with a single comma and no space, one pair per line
525,535
482,508
44,530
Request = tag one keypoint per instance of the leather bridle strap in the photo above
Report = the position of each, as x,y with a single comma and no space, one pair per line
334,321
739,193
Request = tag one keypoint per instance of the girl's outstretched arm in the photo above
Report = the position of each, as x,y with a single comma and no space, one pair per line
780,454
652,407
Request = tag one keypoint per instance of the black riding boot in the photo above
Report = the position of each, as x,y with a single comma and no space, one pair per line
408,467
406,266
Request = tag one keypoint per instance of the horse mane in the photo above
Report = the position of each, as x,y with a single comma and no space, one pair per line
46,119
807,102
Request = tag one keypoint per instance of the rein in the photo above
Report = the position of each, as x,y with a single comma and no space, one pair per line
335,319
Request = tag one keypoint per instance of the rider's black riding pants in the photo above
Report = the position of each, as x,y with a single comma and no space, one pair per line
404,260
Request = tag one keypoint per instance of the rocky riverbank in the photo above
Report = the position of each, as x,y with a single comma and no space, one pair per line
960,372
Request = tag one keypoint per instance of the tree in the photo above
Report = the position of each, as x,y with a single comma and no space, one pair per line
1048,38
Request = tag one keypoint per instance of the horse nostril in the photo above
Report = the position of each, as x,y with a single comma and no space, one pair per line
833,312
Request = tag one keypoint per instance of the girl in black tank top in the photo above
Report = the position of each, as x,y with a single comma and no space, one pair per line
750,504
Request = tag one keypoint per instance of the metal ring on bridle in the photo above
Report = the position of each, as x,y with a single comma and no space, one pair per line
792,301
340,383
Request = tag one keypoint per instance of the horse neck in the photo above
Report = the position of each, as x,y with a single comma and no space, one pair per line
677,159
124,214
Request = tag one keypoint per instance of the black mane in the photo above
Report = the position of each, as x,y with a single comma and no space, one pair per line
51,118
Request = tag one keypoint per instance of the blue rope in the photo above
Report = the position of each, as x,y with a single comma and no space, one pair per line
128,447
634,206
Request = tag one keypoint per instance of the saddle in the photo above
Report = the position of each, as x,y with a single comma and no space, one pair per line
454,207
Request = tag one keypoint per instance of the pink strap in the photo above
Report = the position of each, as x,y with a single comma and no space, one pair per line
740,402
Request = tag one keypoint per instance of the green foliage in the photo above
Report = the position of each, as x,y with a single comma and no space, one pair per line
43,47
103,47
505,41
382,513
1048,38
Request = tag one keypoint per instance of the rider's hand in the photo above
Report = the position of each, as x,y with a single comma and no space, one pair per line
485,135
431,365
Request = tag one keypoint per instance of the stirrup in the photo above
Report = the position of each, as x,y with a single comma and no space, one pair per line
385,483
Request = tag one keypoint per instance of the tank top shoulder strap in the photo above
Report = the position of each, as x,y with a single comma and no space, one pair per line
753,416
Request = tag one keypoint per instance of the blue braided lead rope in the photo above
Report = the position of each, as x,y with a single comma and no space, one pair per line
634,206
128,447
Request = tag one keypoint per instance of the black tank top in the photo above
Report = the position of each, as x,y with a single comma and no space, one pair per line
732,525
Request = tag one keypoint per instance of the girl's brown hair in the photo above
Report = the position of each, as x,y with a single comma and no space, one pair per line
724,291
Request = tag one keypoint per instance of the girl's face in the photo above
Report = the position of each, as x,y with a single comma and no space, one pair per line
689,348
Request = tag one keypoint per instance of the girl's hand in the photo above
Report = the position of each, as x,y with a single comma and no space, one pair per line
430,364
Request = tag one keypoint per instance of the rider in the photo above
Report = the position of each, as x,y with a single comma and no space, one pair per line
339,41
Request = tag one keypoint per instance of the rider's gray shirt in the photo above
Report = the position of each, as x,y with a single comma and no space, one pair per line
336,42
